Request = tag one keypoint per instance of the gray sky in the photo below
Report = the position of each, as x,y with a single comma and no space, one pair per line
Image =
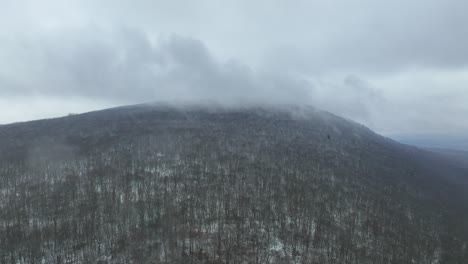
399,67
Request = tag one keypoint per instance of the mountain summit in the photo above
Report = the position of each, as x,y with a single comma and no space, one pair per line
194,184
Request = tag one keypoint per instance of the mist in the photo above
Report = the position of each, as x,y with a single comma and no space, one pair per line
395,67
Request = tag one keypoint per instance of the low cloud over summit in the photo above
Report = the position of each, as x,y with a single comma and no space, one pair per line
397,67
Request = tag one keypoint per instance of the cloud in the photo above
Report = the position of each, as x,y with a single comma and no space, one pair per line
378,37
392,65
125,65
424,102
350,96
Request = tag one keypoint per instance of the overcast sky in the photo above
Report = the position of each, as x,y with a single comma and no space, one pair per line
399,67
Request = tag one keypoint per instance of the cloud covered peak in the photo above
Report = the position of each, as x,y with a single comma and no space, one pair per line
397,66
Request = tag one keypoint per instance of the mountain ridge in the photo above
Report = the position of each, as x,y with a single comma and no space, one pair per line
175,185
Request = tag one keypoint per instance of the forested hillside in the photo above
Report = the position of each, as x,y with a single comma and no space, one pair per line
161,184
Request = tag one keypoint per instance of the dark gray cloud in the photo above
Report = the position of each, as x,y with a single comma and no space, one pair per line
392,65
126,66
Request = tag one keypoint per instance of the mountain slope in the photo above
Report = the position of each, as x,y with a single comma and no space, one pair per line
161,184
460,157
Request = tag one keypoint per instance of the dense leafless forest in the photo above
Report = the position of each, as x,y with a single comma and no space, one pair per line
157,184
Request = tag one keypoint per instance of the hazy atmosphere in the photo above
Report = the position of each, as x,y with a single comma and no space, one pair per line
399,67
234,131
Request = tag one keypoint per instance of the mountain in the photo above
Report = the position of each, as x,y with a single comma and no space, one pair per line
194,184
459,157
437,141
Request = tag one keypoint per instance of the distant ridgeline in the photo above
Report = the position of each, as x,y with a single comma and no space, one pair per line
159,184
453,142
